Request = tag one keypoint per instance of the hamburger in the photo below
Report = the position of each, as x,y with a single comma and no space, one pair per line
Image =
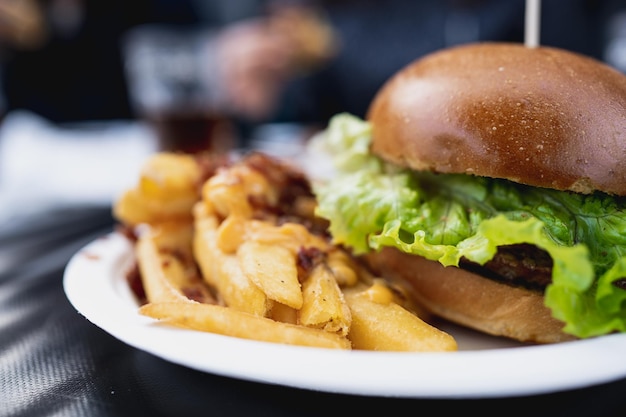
490,179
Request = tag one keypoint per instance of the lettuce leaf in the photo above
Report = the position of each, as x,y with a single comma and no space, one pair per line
371,204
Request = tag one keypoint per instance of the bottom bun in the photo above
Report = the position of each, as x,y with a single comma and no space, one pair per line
470,300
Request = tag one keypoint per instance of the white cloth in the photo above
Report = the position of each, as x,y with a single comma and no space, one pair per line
44,165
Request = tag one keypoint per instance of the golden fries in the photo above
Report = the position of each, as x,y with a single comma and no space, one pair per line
166,190
166,276
234,259
169,175
324,305
378,323
273,269
223,272
230,322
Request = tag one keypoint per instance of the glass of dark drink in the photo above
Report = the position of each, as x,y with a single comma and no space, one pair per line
193,131
173,86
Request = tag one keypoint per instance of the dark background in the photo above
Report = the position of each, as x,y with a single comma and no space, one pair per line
76,72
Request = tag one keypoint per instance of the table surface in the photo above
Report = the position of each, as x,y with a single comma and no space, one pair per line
55,362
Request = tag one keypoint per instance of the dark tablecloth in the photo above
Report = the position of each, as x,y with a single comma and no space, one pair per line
53,362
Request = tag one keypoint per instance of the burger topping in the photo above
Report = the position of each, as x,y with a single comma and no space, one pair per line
520,265
456,219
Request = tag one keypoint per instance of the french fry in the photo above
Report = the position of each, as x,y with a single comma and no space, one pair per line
204,249
323,302
343,268
289,235
223,272
273,269
173,235
236,229
166,176
164,277
283,313
229,190
232,232
238,291
166,190
132,208
229,322
378,323
226,198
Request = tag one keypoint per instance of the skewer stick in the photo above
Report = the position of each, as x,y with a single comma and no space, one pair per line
532,23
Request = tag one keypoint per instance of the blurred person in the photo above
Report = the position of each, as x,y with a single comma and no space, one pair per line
377,38
257,57
21,24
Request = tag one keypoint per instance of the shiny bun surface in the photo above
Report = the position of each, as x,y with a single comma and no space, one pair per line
538,116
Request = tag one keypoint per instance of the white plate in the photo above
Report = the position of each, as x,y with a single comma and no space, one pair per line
95,284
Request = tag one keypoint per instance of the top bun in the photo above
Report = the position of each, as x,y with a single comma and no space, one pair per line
538,116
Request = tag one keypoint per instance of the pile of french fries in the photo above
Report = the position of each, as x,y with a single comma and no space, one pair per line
239,252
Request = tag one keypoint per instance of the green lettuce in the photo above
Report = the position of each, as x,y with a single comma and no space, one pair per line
372,204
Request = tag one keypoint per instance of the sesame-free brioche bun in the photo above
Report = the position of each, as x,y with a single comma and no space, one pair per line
540,116
471,300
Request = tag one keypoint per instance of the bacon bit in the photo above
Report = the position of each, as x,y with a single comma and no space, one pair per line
126,231
209,164
175,253
296,202
307,259
133,278
260,203
197,294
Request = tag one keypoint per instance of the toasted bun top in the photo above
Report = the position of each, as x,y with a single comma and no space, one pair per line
538,116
